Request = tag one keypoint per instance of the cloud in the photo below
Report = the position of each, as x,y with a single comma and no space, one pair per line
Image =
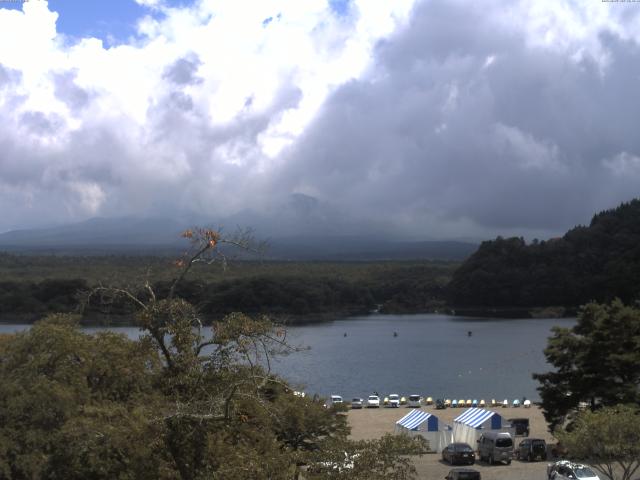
435,118
187,118
465,125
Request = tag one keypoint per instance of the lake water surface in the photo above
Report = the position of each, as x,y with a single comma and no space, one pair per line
432,355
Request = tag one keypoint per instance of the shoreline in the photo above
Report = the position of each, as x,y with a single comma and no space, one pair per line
506,313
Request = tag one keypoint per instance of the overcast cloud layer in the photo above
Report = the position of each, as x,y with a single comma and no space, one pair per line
441,119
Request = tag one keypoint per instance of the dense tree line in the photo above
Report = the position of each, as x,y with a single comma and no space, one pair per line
598,262
412,288
36,298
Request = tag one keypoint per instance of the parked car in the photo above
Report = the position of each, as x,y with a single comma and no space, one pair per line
521,425
495,447
357,403
458,453
564,470
373,401
463,474
335,399
415,401
394,400
440,404
532,449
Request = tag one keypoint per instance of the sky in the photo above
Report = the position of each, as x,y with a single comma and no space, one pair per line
426,118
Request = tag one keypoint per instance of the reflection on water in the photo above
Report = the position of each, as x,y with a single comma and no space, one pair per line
431,355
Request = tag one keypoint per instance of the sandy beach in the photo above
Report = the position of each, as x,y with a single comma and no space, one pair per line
375,422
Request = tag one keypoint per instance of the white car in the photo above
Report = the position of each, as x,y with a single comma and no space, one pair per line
335,399
414,401
394,400
565,470
373,401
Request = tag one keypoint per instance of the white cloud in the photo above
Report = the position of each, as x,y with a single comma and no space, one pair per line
222,104
115,127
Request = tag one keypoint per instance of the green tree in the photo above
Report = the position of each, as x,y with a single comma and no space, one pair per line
386,458
185,401
76,406
597,361
608,439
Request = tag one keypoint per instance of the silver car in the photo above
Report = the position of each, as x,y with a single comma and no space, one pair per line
565,470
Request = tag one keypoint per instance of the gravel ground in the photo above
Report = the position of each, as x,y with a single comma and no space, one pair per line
375,422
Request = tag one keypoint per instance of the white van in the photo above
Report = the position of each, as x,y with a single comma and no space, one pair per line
414,401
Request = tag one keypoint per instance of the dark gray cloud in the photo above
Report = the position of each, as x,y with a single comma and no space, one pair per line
462,126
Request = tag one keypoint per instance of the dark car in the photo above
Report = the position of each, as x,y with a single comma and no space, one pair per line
458,453
532,449
521,425
463,474
440,404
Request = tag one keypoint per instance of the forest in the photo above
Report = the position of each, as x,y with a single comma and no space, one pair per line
597,262
292,292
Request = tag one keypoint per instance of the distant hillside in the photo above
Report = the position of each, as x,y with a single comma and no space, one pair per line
158,236
97,234
598,262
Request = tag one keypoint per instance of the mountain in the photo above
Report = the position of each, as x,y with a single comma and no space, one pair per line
162,236
98,235
598,262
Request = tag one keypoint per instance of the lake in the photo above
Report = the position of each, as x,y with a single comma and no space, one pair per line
432,355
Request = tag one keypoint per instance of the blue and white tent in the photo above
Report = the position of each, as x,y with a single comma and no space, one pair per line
427,425
469,426
419,420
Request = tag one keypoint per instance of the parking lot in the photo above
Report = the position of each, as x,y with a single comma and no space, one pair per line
375,422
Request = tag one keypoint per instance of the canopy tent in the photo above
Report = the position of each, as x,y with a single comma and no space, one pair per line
418,422
468,427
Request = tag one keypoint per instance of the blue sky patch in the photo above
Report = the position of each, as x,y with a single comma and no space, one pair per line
112,21
340,7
